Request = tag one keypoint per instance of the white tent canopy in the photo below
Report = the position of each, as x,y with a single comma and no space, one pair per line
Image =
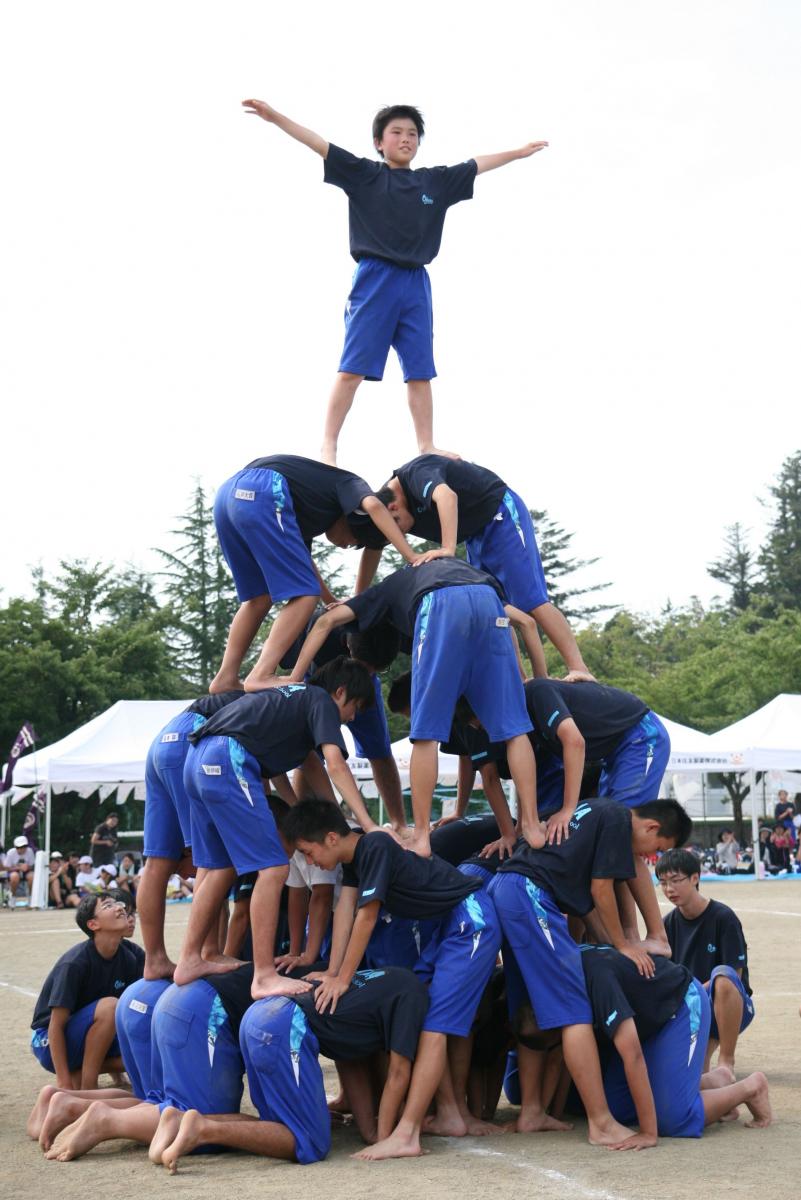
767,740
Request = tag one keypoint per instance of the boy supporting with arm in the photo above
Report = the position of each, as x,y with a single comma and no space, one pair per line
462,644
233,831
396,221
707,937
535,888
266,517
73,1022
458,961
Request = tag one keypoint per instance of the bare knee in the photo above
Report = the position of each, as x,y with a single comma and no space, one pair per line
105,1010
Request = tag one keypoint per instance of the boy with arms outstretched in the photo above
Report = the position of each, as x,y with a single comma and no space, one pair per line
535,888
458,961
396,221
461,644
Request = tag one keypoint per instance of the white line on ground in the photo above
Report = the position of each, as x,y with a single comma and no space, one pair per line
71,929
22,991
576,1189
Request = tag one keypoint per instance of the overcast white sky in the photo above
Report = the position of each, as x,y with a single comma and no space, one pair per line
616,318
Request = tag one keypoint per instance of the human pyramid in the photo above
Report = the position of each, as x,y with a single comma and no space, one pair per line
433,967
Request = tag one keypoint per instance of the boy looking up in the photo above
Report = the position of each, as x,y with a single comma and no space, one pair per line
233,831
707,937
266,517
451,502
461,644
535,888
396,221
73,1022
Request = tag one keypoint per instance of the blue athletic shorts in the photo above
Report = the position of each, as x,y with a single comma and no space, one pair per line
75,1031
370,728
232,825
201,1065
460,648
397,941
284,1076
748,1001
507,548
548,959
458,962
389,306
633,773
511,1079
474,868
675,1061
260,538
133,1018
167,823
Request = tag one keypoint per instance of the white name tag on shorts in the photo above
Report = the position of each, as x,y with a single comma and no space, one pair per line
244,494
502,622
211,770
170,737
138,1006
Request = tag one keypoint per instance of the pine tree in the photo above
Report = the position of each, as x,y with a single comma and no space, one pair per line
736,567
780,557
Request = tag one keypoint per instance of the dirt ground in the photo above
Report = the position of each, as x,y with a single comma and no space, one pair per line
728,1160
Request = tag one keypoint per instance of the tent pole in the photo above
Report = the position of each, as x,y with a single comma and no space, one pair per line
3,810
48,806
755,825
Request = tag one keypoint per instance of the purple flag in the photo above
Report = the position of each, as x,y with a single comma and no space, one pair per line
30,826
24,740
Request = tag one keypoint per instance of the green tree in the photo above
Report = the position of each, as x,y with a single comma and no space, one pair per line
736,567
780,558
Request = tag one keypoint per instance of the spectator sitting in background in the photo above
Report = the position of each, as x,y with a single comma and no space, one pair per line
127,874
104,841
781,844
726,852
73,866
784,811
20,862
107,876
178,888
86,879
61,892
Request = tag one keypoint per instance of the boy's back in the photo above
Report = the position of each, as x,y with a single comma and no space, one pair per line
406,884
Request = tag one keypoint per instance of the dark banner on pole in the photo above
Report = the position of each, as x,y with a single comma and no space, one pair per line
24,740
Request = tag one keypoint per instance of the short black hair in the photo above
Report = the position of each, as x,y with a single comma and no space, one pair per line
311,820
85,912
674,822
377,646
123,897
680,862
386,495
353,676
400,693
383,117
368,535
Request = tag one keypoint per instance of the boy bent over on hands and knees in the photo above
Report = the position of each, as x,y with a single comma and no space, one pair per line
233,831
457,962
266,517
462,644
535,888
396,221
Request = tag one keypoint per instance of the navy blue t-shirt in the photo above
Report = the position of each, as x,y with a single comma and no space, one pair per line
320,494
397,213
479,492
396,598
381,1010
714,939
207,706
599,847
82,975
461,840
603,714
618,991
278,726
406,884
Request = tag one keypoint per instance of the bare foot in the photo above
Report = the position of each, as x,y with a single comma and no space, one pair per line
80,1137
39,1111
728,1064
339,1104
277,985
450,1124
159,966
719,1077
609,1132
225,682
759,1102
395,1146
226,960
61,1112
258,680
190,969
478,1128
432,449
539,1122
534,835
165,1134
186,1139
657,945
418,843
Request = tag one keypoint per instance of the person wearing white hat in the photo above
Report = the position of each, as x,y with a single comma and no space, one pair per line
86,880
19,863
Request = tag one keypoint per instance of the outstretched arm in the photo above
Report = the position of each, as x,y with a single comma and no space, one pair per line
489,162
315,638
299,132
627,1044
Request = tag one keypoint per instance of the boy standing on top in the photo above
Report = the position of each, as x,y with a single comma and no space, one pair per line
396,221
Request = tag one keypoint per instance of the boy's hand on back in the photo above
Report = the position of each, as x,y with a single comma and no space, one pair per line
258,108
503,846
557,826
641,959
430,555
